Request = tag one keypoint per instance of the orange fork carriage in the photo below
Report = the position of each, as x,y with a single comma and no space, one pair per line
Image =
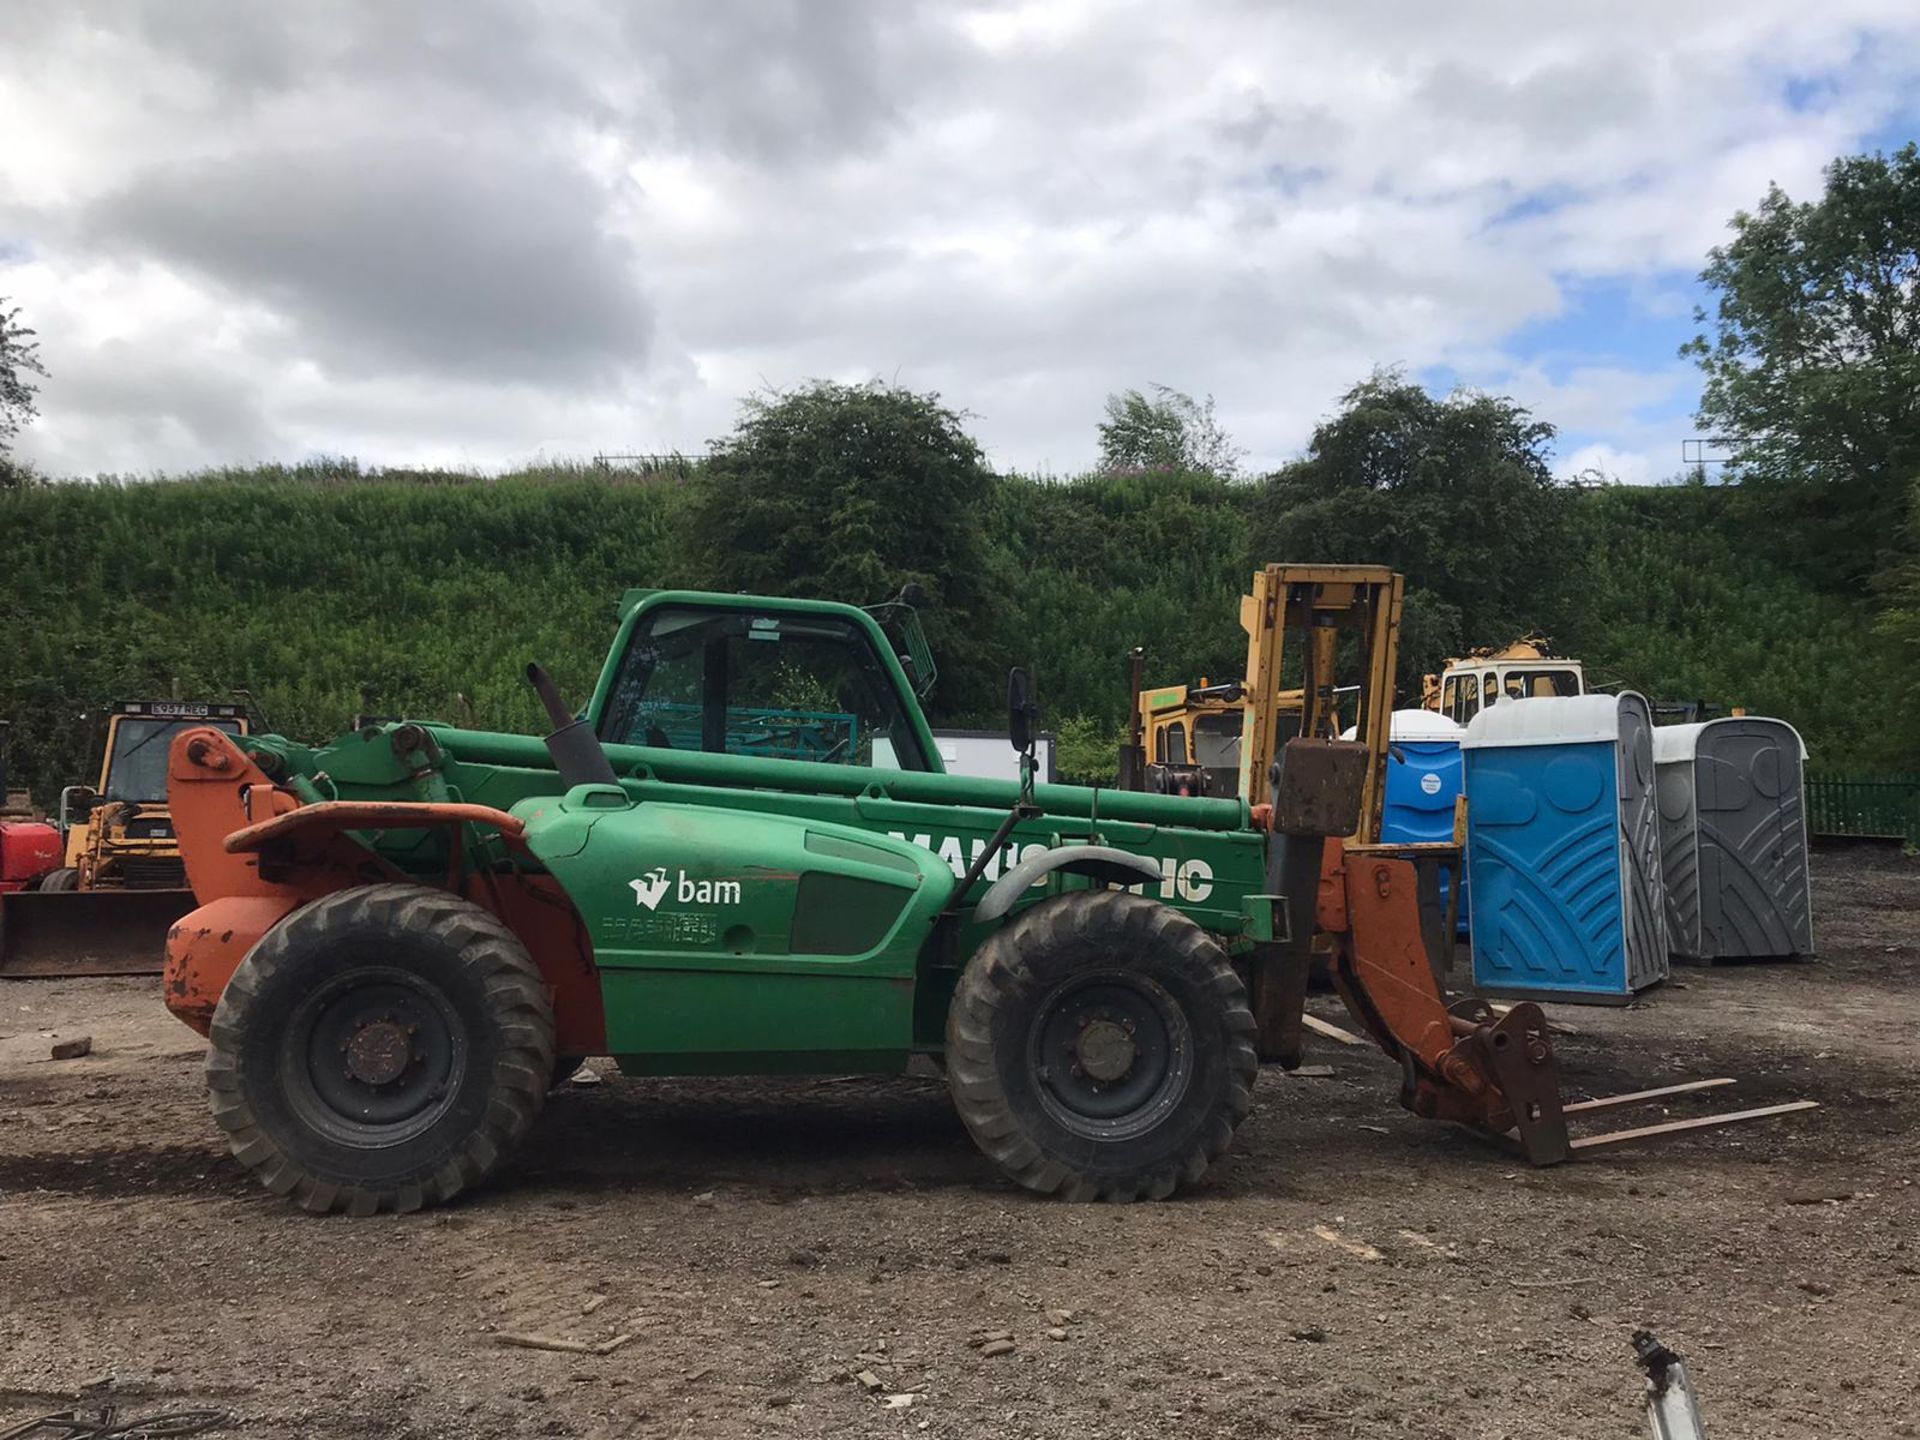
1463,1062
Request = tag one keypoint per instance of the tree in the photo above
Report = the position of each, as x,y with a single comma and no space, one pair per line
1456,494
1171,431
1812,361
849,492
1901,622
19,358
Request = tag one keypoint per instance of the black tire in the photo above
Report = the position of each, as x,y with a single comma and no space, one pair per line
65,878
1044,1004
384,1048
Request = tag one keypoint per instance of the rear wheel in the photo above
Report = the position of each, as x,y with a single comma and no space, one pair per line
383,1048
1100,1047
65,878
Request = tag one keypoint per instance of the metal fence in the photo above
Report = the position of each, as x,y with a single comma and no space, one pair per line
1885,805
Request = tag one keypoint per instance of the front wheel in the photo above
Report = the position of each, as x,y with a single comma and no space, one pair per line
1100,1047
65,878
383,1048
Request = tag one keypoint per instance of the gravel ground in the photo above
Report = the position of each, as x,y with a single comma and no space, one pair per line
800,1257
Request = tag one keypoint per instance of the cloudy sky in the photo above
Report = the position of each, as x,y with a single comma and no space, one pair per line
487,232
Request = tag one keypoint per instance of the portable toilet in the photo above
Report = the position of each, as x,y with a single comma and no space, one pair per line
1423,781
1733,838
1563,848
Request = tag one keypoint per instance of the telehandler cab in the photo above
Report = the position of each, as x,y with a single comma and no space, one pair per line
743,857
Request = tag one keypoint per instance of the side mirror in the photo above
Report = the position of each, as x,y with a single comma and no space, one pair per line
1022,709
76,803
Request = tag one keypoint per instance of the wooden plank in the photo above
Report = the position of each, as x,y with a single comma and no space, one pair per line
1331,1031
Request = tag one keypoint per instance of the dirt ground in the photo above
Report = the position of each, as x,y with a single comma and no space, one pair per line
796,1258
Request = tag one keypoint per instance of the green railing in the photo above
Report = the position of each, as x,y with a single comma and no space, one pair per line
1887,805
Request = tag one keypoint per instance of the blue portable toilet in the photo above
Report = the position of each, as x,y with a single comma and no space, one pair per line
1423,781
1563,848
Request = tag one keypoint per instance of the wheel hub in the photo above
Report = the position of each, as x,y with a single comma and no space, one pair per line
379,1052
1110,1052
1104,1050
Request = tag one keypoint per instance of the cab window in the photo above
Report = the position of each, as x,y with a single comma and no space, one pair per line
137,761
1172,744
774,686
1216,741
1534,684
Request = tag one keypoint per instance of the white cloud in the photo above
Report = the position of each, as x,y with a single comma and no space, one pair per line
1629,467
468,232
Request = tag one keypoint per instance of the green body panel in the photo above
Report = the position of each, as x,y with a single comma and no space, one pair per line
724,937
691,1002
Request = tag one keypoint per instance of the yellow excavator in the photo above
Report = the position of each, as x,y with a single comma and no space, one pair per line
1525,669
106,910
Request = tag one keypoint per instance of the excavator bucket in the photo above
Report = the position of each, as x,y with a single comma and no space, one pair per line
87,932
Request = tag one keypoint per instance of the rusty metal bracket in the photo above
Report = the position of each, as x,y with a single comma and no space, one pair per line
333,816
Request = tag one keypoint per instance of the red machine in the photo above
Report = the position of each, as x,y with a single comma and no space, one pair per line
28,850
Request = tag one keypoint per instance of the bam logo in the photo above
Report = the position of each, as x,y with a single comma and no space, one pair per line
649,890
652,888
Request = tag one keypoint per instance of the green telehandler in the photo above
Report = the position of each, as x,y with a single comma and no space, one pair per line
743,857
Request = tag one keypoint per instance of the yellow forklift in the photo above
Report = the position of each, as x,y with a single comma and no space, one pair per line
1219,738
107,909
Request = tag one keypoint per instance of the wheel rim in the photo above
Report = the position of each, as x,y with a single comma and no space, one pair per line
373,1057
1111,1053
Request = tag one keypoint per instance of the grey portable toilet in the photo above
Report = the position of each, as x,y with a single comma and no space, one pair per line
1733,838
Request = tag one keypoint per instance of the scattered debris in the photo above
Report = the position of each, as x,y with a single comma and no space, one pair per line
1357,1248
1311,1072
106,1424
585,1075
527,1340
592,1303
73,1049
1310,1334
869,1381
1058,1332
904,1400
705,1197
530,1340
1059,1317
1819,1196
996,1347
989,1337
1816,1287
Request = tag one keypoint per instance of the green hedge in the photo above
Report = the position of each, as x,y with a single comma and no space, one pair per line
325,592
